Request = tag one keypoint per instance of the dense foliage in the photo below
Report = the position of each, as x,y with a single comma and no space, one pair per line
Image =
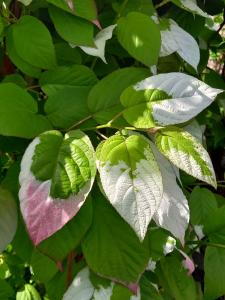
112,155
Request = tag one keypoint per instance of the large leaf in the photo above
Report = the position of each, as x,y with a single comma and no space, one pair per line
173,212
56,176
131,179
8,218
140,36
175,280
28,292
185,152
67,76
85,9
175,39
191,6
214,273
18,61
68,238
33,42
19,113
123,257
189,97
71,28
103,100
6,291
202,205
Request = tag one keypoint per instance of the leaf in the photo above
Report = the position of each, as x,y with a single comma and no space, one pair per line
191,6
85,9
185,152
67,76
138,106
148,290
175,280
81,287
60,244
56,176
66,55
173,212
140,36
42,266
215,226
100,41
71,28
175,39
20,63
6,291
202,205
28,293
19,113
143,6
33,42
158,238
131,179
8,218
26,2
214,273
103,99
111,234
189,97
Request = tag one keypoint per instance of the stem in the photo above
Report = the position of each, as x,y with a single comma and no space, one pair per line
70,260
164,2
94,63
79,122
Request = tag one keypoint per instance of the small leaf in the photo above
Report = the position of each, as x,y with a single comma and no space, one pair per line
71,28
111,234
56,176
103,100
26,2
173,212
8,218
131,179
214,273
28,292
185,152
189,97
19,113
175,39
202,205
191,6
33,42
100,41
140,36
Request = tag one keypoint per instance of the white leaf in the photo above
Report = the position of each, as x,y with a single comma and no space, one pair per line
175,39
195,129
81,287
131,179
100,40
173,212
103,293
189,97
8,218
191,6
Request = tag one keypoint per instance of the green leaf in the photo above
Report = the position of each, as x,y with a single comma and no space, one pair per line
191,6
6,291
73,29
42,266
68,238
131,178
185,152
158,238
8,218
28,293
18,61
202,204
19,113
140,36
123,257
148,290
67,76
138,106
214,273
15,78
120,292
215,226
33,42
26,2
143,6
103,100
175,280
85,9
67,55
